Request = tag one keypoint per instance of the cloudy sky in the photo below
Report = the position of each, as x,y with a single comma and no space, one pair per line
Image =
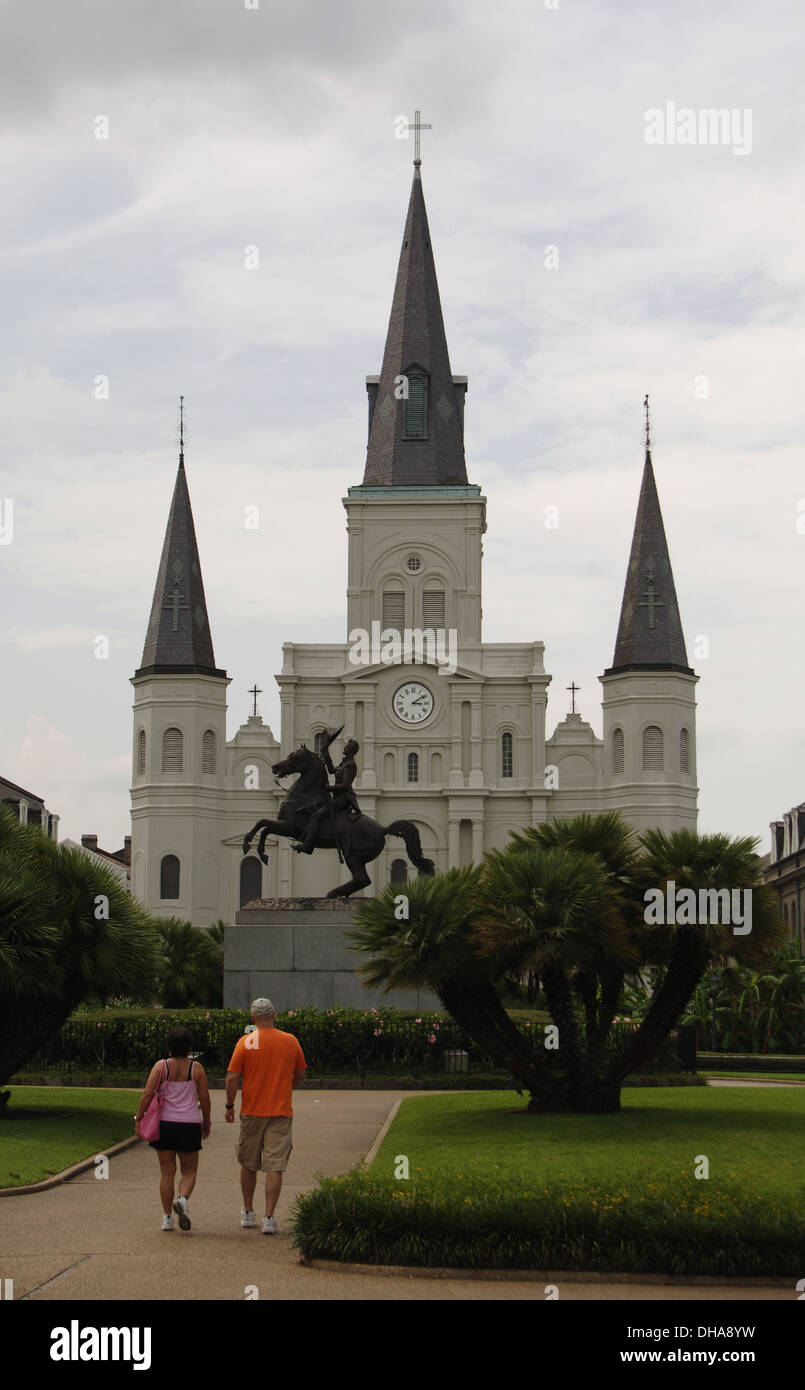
680,273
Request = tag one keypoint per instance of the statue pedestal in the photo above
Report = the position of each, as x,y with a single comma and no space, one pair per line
295,952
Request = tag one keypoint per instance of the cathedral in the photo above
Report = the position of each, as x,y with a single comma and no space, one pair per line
452,732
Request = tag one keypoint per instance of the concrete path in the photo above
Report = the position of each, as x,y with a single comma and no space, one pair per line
100,1239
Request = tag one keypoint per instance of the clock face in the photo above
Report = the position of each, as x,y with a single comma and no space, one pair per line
412,703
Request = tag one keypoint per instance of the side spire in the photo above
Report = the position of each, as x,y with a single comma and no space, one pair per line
650,633
178,640
418,441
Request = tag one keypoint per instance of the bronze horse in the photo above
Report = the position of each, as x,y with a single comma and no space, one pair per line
359,841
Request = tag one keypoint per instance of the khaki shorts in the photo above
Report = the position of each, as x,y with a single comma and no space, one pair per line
265,1143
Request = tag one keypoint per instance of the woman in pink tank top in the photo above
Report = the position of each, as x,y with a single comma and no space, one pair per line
183,1085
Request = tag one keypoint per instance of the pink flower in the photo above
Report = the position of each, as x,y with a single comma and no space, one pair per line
417,1020
207,1014
527,1024
378,1031
290,1013
432,1037
340,1025
99,1025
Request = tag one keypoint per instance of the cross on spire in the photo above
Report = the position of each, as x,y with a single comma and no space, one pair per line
648,599
255,691
648,427
572,688
416,128
174,602
181,431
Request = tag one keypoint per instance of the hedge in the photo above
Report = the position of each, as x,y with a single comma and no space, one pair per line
359,1042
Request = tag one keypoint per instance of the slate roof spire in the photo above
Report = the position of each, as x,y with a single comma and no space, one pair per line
178,640
650,634
416,340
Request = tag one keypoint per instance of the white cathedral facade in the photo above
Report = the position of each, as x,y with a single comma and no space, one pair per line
460,748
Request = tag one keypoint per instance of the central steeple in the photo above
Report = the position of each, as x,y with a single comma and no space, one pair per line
416,405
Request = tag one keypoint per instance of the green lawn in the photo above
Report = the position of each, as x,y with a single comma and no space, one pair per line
751,1137
48,1128
491,1187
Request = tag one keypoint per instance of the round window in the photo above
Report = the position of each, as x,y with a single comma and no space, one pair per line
413,564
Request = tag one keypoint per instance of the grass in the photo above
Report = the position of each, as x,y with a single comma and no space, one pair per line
757,1140
490,1186
46,1129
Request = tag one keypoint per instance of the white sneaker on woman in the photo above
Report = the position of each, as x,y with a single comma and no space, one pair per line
248,1219
180,1207
167,1222
269,1226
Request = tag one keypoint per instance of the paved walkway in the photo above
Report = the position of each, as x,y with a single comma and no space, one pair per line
100,1239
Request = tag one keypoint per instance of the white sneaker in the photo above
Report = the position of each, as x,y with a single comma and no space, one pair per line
269,1226
167,1222
180,1207
248,1219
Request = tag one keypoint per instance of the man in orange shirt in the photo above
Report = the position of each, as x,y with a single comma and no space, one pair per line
272,1065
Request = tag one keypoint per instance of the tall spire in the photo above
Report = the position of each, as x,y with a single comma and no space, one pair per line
178,640
429,451
650,632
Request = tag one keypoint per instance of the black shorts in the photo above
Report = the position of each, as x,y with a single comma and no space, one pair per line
174,1134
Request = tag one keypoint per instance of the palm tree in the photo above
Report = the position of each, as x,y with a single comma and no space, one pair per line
191,967
432,948
687,951
69,932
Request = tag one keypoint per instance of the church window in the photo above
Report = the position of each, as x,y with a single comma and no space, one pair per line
251,880
416,407
652,749
318,741
617,750
413,564
172,750
169,877
433,608
507,756
393,610
208,751
399,871
413,767
684,751
141,753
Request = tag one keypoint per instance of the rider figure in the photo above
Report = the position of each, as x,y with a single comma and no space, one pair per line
343,797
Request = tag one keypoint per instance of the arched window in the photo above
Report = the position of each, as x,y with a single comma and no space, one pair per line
399,871
617,750
172,750
141,753
413,767
684,751
652,749
393,610
169,877
416,407
507,756
318,741
208,751
251,880
433,609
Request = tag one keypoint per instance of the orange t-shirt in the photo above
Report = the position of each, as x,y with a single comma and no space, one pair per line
267,1060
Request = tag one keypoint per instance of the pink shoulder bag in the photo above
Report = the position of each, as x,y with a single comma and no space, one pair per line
149,1124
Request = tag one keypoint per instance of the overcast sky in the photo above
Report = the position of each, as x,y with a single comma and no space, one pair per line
681,271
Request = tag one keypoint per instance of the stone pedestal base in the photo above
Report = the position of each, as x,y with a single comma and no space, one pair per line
294,951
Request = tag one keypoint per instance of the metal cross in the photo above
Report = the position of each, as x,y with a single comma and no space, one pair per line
175,603
416,128
255,691
650,602
573,688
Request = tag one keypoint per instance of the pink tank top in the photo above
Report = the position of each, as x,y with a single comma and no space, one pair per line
180,1105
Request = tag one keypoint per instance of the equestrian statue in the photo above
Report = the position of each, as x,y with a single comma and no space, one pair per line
320,816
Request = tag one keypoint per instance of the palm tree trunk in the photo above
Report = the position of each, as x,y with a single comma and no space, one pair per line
478,1009
685,968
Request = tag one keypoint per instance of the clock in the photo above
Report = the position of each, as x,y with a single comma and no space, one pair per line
412,703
